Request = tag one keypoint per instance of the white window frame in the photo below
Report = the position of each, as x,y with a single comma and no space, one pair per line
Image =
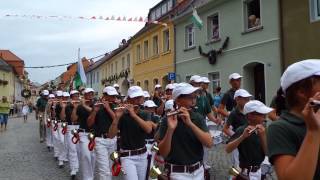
314,8
216,81
187,33
128,60
123,63
210,26
246,16
138,53
164,8
155,45
145,49
166,41
170,5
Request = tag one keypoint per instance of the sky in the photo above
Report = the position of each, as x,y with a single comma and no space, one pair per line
56,41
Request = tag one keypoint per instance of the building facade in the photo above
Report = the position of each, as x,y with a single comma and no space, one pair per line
300,25
117,69
237,36
7,82
153,48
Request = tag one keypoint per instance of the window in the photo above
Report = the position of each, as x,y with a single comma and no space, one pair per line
155,82
116,67
213,27
166,41
138,53
164,8
153,15
252,13
128,60
146,49
170,4
155,45
98,76
138,83
106,75
215,79
122,63
158,13
314,10
146,85
94,77
111,69
189,36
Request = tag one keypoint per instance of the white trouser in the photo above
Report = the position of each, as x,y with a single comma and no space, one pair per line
255,175
61,145
235,158
152,153
49,135
55,141
103,149
72,150
206,162
135,167
86,158
196,175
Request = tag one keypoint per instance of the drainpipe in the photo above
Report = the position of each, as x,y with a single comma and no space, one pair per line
175,52
282,57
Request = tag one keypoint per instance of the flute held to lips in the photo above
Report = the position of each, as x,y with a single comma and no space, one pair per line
176,112
315,104
124,107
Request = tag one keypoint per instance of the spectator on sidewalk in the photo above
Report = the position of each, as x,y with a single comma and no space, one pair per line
25,111
4,112
11,109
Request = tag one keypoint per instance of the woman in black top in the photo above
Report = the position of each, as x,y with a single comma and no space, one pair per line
294,139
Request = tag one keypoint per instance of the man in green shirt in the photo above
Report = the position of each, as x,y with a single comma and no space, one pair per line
41,107
4,113
250,140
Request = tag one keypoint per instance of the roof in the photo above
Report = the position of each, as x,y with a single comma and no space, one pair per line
9,56
108,56
168,15
14,61
5,66
187,9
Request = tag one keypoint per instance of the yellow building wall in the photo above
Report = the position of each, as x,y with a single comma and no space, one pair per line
7,90
105,69
155,66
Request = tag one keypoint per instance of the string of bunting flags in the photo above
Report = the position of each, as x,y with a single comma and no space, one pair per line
93,18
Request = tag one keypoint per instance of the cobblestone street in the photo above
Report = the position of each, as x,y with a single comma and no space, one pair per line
22,157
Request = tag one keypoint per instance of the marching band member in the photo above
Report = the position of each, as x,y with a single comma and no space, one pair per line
133,124
66,113
55,136
294,139
101,119
205,109
183,137
41,107
146,95
250,139
80,114
167,96
237,119
50,117
60,108
150,107
228,102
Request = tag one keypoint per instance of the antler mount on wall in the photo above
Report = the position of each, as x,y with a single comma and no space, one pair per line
212,55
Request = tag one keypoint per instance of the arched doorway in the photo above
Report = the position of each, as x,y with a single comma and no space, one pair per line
165,81
124,87
254,80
